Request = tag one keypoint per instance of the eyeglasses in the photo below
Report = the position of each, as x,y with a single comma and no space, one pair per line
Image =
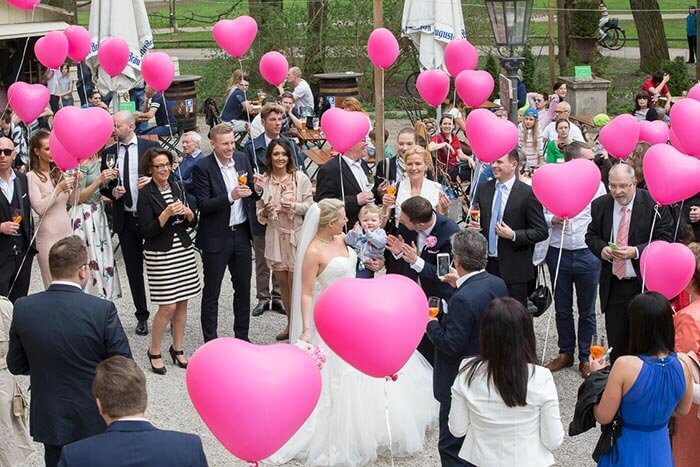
619,187
161,166
539,100
7,152
561,112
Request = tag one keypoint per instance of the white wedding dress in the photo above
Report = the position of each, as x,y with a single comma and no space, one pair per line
348,427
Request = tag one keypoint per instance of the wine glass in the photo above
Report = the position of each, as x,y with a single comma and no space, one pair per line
475,213
242,177
110,160
17,219
391,189
597,346
433,306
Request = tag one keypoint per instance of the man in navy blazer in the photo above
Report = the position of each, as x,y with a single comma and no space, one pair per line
58,337
120,392
456,335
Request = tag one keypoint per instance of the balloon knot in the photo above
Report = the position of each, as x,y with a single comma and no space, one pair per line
253,464
392,377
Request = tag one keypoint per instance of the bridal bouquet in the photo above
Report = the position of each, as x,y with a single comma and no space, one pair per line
314,351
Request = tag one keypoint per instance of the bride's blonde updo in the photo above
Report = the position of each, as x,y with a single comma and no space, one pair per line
330,211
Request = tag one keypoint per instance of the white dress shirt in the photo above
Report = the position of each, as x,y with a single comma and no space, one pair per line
550,133
575,237
230,176
464,278
617,217
358,172
504,200
498,435
71,283
133,170
8,187
420,244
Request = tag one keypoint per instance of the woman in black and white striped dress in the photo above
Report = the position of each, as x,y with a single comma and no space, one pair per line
171,266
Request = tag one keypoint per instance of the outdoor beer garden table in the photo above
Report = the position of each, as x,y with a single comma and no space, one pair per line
319,157
311,137
588,128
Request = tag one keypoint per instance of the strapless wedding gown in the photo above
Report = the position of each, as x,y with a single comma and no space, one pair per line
348,426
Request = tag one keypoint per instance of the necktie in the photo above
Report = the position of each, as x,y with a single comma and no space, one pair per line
620,266
126,176
496,216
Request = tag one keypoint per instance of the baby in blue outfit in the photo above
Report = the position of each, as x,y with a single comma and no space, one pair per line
367,238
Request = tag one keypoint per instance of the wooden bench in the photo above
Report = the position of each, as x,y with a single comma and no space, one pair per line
318,157
588,127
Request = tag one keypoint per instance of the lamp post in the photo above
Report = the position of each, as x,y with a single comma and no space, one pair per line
510,22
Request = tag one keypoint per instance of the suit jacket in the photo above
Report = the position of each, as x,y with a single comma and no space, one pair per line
135,442
118,204
214,207
442,231
524,214
328,185
456,335
151,204
58,337
599,232
7,243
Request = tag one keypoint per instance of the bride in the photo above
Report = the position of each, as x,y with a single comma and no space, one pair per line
348,427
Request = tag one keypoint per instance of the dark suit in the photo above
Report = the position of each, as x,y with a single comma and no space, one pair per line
126,227
456,337
328,185
13,248
223,245
150,207
58,337
135,442
615,294
524,214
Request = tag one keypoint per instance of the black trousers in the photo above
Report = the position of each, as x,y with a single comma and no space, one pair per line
617,325
692,45
516,290
8,271
448,445
55,103
238,259
131,243
52,454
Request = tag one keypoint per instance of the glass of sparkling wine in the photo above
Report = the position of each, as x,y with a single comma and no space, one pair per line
391,190
242,177
433,306
17,219
475,213
597,346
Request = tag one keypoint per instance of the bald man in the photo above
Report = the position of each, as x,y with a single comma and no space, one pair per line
303,97
124,193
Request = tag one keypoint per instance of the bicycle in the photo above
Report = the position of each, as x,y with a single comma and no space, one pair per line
613,37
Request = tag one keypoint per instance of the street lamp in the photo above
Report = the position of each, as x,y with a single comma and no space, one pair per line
510,21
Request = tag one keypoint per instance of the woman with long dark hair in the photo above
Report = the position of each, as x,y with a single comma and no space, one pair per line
643,108
503,403
646,387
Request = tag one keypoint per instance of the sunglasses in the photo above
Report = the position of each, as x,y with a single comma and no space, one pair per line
7,152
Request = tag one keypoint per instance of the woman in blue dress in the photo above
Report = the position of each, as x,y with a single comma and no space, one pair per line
648,387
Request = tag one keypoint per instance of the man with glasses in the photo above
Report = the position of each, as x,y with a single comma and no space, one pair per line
620,229
562,110
540,101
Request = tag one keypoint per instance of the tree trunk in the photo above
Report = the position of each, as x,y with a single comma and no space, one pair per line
314,57
173,16
562,33
653,48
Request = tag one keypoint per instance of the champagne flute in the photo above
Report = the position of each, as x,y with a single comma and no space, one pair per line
242,177
110,160
17,219
391,189
475,213
597,346
433,306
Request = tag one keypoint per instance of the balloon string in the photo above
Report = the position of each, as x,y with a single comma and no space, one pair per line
554,291
651,234
386,417
678,221
21,63
252,141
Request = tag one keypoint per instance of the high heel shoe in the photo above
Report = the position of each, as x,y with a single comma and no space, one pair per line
159,371
174,354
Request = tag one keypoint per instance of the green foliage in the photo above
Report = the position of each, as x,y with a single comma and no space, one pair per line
494,69
680,78
535,75
585,23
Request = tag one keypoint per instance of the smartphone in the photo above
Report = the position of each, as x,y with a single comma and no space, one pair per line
612,246
443,264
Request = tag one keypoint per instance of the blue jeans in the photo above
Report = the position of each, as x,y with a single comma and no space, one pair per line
138,96
159,130
578,268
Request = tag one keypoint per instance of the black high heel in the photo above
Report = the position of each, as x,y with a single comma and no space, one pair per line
174,354
158,371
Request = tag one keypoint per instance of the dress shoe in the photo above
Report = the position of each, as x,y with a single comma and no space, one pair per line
282,336
260,308
159,371
585,369
142,328
278,306
563,360
176,353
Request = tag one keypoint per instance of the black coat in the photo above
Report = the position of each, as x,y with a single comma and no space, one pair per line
151,204
58,337
21,195
328,185
589,394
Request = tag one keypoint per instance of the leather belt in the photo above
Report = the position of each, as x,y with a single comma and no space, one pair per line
131,213
236,227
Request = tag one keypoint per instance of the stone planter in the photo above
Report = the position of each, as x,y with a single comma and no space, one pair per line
586,48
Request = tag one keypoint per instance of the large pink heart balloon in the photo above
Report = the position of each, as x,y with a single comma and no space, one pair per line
620,136
460,55
274,68
113,55
52,49
83,132
566,200
382,48
655,132
252,397
433,86
670,175
343,128
158,70
489,136
685,121
28,101
374,325
667,267
676,143
24,4
694,92
235,35
78,42
60,155
474,87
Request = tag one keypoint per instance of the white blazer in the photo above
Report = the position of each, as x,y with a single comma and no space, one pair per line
498,435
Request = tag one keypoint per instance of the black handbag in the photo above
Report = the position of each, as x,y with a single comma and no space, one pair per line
606,442
541,297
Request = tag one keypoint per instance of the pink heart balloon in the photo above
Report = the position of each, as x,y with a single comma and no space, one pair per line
52,49
460,55
433,86
685,121
694,92
113,55
83,132
566,200
667,267
382,48
253,398
344,129
655,132
474,87
676,143
374,325
28,101
60,155
235,36
79,42
24,4
158,70
620,136
274,68
670,175
489,136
